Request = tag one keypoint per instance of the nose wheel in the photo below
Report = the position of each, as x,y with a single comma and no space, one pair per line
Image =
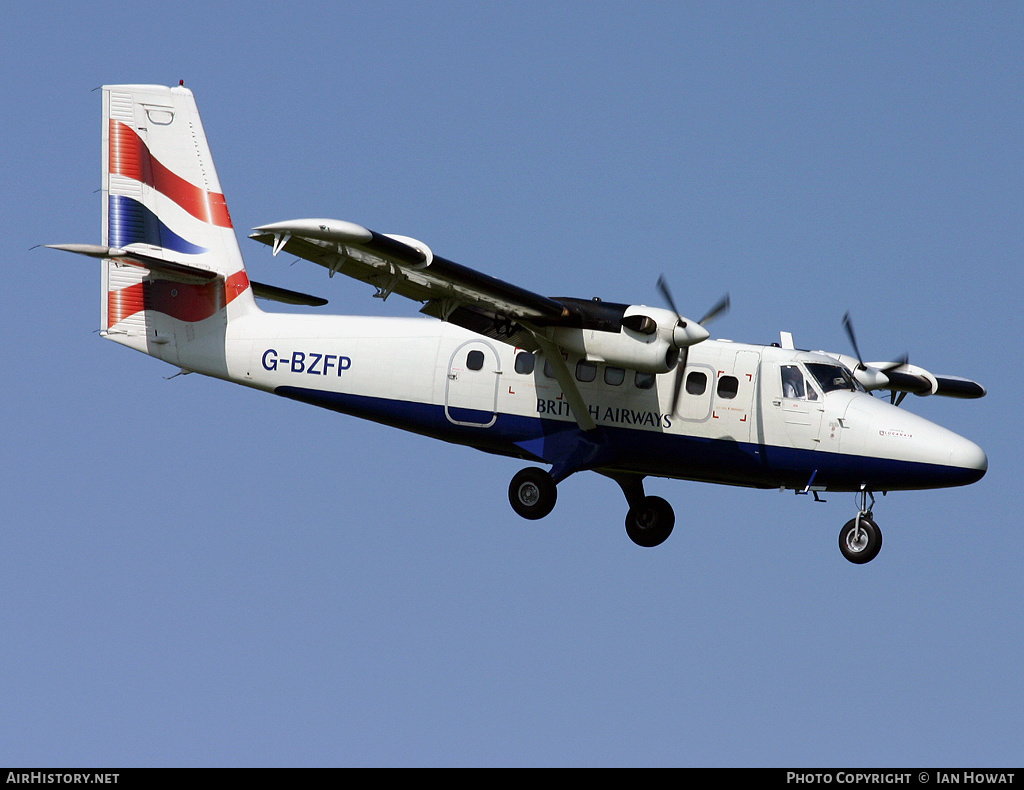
860,539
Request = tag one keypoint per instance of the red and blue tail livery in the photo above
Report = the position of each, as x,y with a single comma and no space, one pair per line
179,266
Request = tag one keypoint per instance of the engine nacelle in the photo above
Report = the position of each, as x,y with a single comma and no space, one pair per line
909,378
648,340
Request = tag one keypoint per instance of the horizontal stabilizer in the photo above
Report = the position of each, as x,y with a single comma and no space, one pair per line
272,292
181,272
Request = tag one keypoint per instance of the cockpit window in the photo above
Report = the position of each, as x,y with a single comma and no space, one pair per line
792,382
832,377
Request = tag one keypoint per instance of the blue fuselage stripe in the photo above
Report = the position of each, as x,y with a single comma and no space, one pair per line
644,452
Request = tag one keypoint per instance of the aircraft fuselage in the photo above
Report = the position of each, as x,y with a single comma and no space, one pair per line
734,423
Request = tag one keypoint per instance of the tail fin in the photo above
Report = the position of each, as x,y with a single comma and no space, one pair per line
163,202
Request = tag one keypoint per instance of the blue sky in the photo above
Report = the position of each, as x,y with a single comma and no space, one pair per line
197,574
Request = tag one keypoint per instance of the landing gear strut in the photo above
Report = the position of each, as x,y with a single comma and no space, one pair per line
860,539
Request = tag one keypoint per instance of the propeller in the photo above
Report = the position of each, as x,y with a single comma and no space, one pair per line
870,377
889,376
687,333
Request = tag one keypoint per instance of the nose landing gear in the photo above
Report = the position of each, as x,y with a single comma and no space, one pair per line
860,539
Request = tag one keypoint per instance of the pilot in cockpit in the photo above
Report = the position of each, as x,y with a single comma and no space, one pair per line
792,382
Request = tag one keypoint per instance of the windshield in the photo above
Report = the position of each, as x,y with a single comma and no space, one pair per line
832,377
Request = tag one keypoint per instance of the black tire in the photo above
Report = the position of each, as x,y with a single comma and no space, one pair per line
532,493
864,545
649,523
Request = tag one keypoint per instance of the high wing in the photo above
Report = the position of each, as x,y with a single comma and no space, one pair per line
407,267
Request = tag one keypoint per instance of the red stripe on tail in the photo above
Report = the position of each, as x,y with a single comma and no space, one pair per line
131,158
184,301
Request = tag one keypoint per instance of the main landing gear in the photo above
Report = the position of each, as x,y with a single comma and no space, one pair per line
650,522
533,492
860,539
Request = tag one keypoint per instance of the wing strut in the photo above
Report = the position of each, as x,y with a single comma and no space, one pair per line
563,375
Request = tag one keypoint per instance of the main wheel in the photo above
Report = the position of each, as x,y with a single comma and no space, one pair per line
532,493
860,544
650,522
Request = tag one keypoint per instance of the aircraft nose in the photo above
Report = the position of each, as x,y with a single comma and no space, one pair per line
968,456
926,455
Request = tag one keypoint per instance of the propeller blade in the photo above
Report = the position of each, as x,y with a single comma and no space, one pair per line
886,367
848,325
896,363
722,306
717,310
684,345
663,287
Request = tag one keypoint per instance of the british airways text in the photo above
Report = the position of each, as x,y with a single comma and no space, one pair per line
306,362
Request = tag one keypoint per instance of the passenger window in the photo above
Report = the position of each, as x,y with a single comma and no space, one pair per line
586,371
697,383
547,369
728,386
614,376
525,362
475,360
792,382
644,381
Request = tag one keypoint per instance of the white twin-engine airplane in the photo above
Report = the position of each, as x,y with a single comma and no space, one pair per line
628,391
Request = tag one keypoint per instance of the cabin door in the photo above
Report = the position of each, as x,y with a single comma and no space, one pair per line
471,388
